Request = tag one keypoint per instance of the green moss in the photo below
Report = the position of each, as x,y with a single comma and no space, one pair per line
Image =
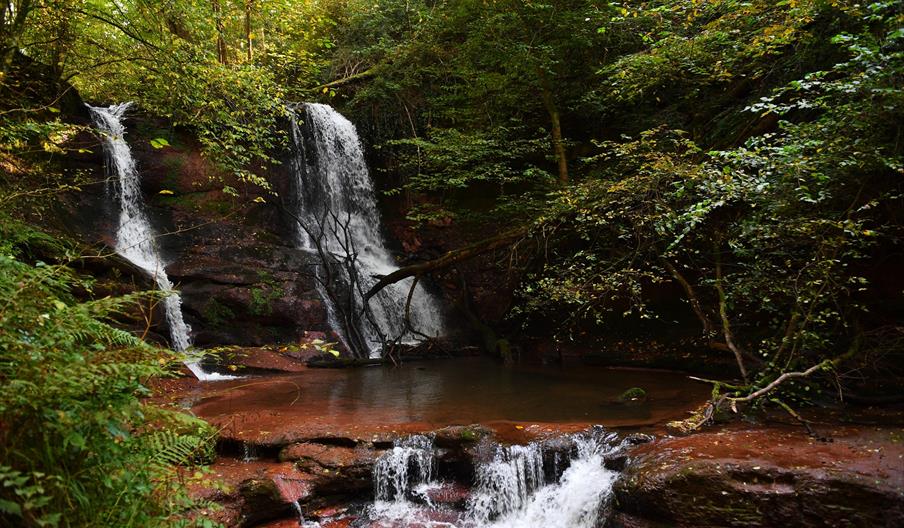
216,313
181,201
633,394
469,435
263,297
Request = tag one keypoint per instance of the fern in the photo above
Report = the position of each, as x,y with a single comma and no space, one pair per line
76,438
168,447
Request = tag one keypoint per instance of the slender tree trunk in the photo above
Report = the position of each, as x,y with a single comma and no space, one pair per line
708,327
723,315
13,24
221,42
249,37
558,144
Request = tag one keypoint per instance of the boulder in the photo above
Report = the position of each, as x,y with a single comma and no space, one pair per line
762,477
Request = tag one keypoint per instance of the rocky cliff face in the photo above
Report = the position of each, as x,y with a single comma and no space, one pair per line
231,255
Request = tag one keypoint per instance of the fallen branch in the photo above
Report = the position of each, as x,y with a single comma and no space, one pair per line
794,414
449,259
733,402
825,364
370,72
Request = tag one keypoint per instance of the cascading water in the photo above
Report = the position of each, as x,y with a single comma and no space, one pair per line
135,238
332,180
506,483
408,464
577,500
512,490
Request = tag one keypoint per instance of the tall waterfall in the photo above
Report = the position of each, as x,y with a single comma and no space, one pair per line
135,238
332,180
515,489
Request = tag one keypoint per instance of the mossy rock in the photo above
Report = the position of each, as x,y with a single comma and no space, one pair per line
633,395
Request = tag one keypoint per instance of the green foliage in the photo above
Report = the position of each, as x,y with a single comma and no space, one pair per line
217,313
187,61
450,164
747,152
76,437
780,224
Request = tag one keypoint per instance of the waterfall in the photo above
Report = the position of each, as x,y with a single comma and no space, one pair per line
506,483
135,238
578,500
408,464
513,489
332,179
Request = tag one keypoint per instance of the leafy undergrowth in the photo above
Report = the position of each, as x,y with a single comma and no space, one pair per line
78,446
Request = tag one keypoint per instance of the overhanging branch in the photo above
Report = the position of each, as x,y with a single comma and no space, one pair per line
452,257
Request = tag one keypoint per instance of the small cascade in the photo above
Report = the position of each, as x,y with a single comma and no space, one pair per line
292,491
578,500
249,452
512,490
408,465
135,238
332,179
506,483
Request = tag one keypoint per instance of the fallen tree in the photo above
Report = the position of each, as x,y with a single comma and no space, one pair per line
507,238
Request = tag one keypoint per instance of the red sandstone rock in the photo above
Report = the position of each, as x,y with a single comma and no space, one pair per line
264,359
765,476
318,456
451,494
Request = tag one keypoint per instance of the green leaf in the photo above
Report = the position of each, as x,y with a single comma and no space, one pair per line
159,143
10,507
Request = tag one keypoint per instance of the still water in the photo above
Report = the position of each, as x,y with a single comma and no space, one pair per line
460,391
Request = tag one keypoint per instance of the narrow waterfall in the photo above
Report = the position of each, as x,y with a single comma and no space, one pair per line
135,238
506,483
332,180
393,475
515,489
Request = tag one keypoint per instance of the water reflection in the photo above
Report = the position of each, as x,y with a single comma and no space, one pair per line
462,391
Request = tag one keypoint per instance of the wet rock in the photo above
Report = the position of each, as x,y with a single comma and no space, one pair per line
262,359
763,477
262,501
314,457
633,395
246,292
450,494
638,438
616,463
339,470
456,436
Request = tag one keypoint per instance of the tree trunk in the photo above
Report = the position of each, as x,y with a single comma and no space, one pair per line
558,145
708,327
11,28
723,315
249,37
218,22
